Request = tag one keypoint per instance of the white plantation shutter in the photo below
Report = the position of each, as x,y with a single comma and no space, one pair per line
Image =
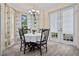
67,16
62,20
53,21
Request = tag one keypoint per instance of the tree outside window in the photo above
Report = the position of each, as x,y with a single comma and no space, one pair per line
24,21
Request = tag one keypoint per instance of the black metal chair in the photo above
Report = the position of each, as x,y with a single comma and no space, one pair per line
43,40
23,42
40,30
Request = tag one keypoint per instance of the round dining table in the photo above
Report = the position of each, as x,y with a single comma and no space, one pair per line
30,37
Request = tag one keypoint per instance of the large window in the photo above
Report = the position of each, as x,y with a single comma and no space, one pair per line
68,16
33,22
68,20
61,21
9,26
24,21
54,21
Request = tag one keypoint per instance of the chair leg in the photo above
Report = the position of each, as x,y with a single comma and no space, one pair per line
46,47
24,48
40,51
21,46
29,47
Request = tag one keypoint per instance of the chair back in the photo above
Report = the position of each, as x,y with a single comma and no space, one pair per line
40,30
21,34
44,35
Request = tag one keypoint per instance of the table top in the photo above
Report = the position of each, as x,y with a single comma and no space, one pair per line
30,37
31,34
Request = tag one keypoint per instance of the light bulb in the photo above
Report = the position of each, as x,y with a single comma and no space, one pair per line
38,12
33,10
29,11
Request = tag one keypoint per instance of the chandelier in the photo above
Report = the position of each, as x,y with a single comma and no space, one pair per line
33,12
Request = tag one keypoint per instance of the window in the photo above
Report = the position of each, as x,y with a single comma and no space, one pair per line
54,21
68,17
62,21
24,21
67,20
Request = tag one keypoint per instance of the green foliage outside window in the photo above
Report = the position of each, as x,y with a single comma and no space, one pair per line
24,22
54,34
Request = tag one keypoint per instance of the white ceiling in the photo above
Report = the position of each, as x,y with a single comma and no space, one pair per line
25,6
22,6
45,5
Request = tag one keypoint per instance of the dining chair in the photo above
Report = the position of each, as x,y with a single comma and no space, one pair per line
40,30
43,40
23,42
21,34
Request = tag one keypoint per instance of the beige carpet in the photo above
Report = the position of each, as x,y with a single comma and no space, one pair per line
54,49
